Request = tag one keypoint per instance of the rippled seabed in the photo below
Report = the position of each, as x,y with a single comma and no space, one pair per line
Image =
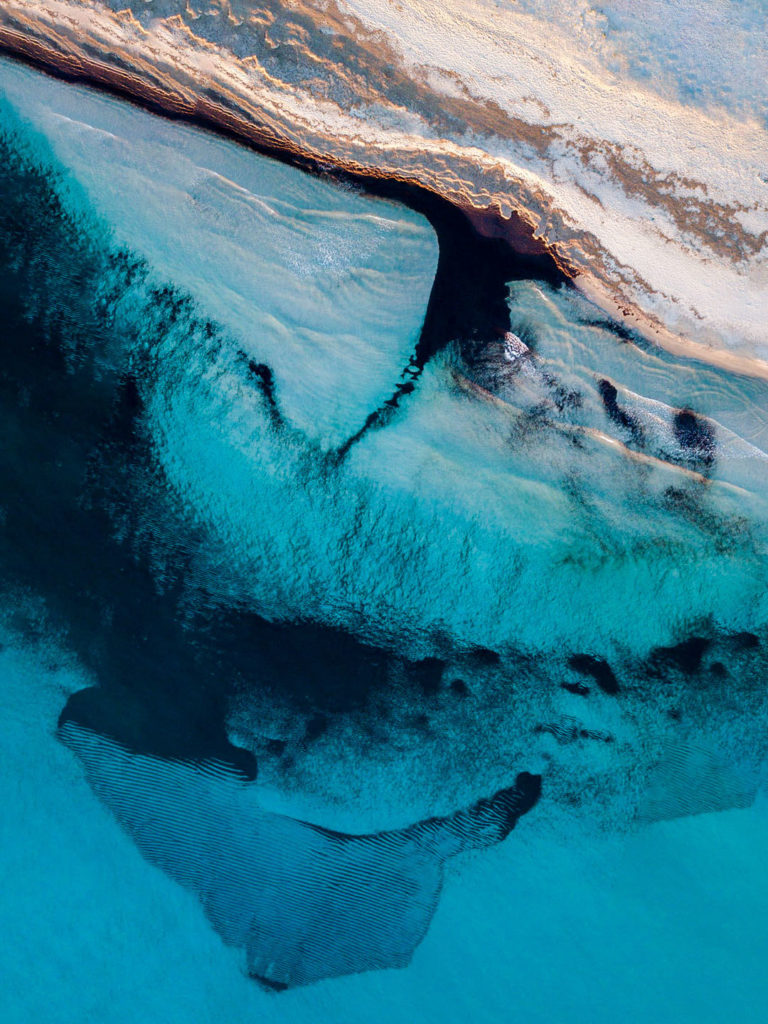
250,528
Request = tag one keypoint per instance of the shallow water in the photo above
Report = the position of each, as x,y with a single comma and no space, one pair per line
546,552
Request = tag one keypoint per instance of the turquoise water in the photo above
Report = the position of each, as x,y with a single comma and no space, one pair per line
221,620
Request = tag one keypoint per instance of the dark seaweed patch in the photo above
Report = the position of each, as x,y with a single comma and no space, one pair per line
695,435
598,669
686,656
459,687
621,417
266,384
427,674
578,688
624,334
745,641
484,656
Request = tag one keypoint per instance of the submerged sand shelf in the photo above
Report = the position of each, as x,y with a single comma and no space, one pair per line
655,202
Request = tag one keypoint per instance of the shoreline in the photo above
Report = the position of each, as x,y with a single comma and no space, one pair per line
512,238
212,117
